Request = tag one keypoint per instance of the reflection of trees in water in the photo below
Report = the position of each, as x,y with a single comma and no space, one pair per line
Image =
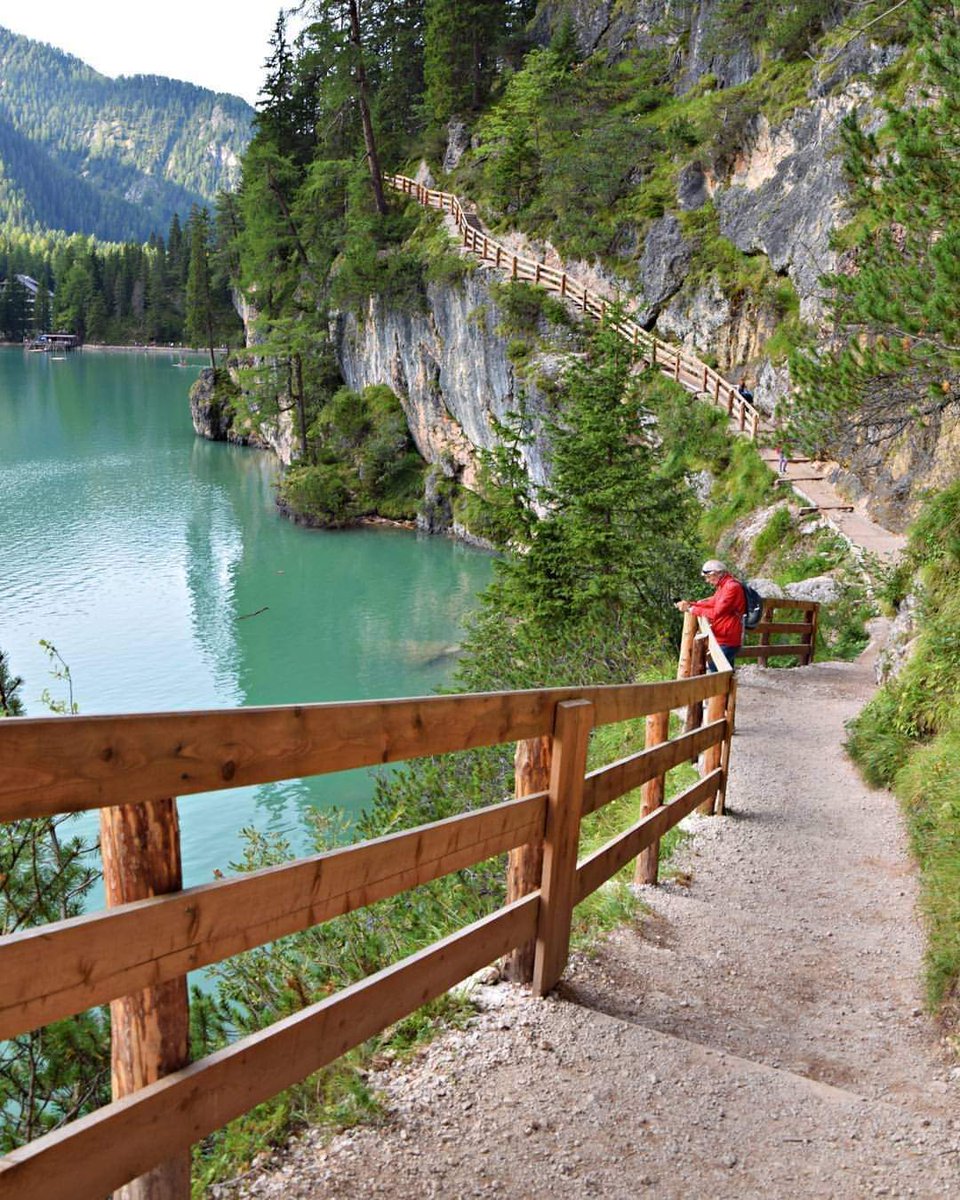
214,540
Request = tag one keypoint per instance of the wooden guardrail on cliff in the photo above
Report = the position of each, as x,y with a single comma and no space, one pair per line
136,953
686,369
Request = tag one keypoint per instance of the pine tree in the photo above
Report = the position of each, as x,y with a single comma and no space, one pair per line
200,318
51,1075
896,305
597,574
459,45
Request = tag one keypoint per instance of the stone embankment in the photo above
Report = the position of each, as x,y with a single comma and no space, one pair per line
759,1033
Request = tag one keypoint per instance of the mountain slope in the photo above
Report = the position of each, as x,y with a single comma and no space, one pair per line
115,158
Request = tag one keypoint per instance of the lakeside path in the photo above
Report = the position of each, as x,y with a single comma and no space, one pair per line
759,1033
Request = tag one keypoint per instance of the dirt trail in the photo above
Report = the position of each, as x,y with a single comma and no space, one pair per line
760,1033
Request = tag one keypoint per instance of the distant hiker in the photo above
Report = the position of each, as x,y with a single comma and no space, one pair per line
782,460
745,392
724,609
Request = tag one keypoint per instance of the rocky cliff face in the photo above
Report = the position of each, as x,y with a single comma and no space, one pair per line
214,416
449,367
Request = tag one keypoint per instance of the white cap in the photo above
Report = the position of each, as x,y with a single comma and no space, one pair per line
711,565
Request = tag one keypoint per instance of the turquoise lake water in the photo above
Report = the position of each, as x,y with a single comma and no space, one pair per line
141,552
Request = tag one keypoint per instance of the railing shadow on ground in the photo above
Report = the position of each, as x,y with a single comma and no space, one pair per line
689,371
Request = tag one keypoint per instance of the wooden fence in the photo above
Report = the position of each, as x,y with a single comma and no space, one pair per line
802,632
136,953
673,361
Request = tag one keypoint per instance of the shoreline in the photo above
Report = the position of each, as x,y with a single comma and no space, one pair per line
173,348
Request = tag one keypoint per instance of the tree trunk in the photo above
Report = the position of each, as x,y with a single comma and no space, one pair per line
360,74
301,405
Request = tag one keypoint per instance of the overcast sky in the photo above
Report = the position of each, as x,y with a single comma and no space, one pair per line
218,44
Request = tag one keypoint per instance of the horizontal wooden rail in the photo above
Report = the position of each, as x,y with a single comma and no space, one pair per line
97,1153
101,761
691,372
773,650
610,782
55,970
604,863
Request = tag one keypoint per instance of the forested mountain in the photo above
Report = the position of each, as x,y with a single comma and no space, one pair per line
115,158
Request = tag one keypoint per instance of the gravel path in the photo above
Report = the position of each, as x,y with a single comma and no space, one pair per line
760,1033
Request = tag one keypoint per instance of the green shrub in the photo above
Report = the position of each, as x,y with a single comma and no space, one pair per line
775,535
929,788
321,493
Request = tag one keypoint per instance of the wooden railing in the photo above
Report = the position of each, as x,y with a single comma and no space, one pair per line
802,631
136,954
673,361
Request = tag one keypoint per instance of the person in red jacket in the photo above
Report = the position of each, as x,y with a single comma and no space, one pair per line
724,609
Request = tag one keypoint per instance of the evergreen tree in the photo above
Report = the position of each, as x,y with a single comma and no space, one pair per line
50,1075
460,40
894,366
10,703
200,323
592,588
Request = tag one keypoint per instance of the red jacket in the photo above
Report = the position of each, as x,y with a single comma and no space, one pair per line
724,610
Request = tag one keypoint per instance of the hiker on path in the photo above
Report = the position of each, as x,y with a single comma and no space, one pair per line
724,609
745,392
782,459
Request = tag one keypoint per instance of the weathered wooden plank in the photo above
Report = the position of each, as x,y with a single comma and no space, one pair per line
50,765
802,605
617,778
780,627
604,863
88,1158
560,840
765,652
55,970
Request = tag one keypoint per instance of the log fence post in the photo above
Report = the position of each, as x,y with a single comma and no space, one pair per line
140,845
571,733
525,863
713,755
811,618
648,861
698,665
731,715
686,646
766,616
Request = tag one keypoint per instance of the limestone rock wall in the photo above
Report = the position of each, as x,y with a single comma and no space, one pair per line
449,367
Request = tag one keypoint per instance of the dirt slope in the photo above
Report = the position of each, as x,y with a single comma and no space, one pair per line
760,1034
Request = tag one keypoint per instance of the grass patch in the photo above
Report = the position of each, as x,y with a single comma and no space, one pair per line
908,737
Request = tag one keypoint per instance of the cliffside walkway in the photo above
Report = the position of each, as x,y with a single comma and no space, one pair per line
812,481
759,1033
